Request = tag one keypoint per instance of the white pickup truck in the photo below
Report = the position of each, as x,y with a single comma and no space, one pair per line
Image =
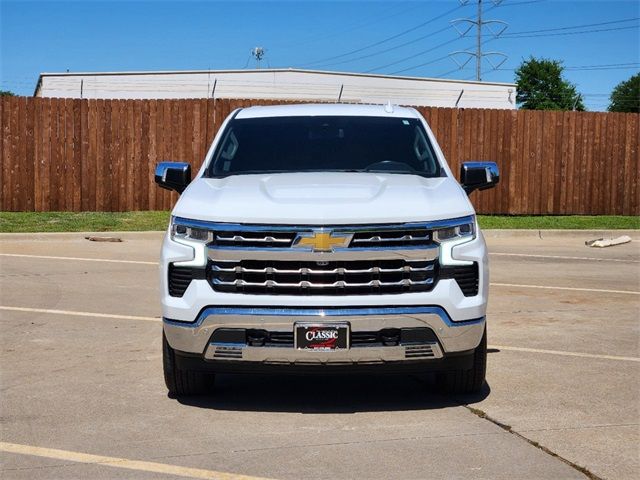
324,238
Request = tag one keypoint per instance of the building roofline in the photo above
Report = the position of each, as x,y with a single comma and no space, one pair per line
270,70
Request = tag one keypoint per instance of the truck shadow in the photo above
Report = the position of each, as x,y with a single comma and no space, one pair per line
319,394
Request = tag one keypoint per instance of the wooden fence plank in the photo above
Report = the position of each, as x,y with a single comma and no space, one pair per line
616,180
129,159
85,199
4,153
631,162
30,156
77,156
152,154
139,138
104,166
114,154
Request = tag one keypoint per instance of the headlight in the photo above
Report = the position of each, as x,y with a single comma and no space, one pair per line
185,232
196,238
464,230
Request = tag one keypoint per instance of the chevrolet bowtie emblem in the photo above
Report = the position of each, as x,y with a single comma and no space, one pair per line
322,241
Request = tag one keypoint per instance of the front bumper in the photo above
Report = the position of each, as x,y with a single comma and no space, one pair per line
450,337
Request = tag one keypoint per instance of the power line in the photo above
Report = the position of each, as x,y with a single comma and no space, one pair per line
421,65
606,65
575,33
431,49
413,56
510,4
384,15
385,40
457,69
380,52
609,66
572,27
415,41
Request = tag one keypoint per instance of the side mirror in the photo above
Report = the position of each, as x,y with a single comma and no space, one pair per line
173,175
478,176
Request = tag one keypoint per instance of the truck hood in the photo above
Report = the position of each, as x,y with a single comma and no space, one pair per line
327,198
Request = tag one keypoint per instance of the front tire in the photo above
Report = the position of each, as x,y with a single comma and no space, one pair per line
182,382
471,380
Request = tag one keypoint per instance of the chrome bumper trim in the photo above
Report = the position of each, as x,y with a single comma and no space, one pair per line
225,227
254,253
339,284
453,336
324,312
292,356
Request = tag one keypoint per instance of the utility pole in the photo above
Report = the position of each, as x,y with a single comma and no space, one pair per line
479,43
495,27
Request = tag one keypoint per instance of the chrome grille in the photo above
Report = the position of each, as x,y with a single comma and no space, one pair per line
223,352
254,238
283,237
322,278
391,238
420,351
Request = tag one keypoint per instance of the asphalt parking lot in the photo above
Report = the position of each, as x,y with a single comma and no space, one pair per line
82,394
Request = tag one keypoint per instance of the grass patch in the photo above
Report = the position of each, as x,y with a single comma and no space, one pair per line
82,221
16,222
558,222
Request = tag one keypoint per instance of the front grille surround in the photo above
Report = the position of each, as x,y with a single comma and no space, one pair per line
281,260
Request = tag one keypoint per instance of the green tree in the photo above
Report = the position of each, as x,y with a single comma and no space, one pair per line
6,93
541,87
625,97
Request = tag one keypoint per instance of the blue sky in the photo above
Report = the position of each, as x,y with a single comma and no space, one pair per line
413,38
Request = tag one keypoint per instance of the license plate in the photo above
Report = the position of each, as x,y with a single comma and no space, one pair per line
321,336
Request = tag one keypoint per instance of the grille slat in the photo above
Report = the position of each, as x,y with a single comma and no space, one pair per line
340,283
370,237
392,238
419,351
322,278
305,270
243,239
262,239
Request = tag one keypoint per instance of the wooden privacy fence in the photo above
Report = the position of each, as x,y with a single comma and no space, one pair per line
99,155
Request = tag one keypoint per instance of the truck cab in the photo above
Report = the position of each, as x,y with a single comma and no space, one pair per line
324,238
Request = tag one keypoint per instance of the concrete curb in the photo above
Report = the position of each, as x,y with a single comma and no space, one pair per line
542,234
506,233
42,236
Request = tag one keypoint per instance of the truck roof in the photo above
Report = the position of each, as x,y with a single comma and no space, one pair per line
327,109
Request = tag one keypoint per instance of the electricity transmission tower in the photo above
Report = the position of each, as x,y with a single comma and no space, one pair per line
495,28
258,53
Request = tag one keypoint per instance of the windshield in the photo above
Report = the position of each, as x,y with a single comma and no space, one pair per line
324,144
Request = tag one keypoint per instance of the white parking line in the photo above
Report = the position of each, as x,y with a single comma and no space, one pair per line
563,257
83,259
572,289
567,354
138,465
77,314
140,262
